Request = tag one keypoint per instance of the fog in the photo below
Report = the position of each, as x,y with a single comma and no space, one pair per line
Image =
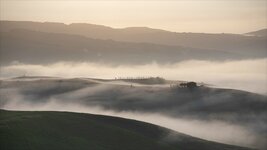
248,75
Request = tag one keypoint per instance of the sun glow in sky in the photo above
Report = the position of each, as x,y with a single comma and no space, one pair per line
230,16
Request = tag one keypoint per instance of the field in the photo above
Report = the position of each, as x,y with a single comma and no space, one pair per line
63,130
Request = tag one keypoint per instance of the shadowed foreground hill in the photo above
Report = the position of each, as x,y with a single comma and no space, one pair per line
62,130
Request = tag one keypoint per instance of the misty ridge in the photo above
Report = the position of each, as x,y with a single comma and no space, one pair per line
248,75
240,115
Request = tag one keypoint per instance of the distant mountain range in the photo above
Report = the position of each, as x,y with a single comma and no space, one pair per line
141,34
50,42
41,47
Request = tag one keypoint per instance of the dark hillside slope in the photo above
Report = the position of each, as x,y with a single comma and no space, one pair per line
68,131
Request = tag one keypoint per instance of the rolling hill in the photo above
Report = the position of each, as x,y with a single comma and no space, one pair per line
202,103
68,131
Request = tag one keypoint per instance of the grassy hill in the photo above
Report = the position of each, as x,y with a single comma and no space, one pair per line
68,131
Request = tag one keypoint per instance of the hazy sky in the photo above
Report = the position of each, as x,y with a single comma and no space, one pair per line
235,16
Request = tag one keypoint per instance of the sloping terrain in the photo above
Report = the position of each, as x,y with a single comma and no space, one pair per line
119,95
68,131
201,103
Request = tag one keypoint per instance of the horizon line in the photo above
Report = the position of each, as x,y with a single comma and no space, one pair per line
122,28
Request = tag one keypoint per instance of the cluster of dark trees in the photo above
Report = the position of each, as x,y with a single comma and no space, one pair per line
189,85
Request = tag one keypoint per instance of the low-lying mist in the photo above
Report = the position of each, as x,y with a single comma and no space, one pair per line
249,75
